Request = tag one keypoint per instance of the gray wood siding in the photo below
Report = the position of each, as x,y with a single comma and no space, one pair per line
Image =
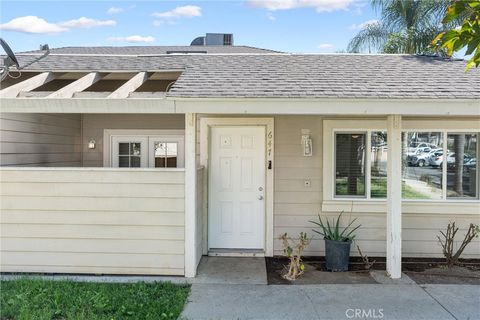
108,221
40,140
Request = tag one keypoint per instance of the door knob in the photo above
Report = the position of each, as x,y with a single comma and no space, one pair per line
260,197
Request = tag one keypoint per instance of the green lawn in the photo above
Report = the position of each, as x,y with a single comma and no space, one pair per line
379,189
42,299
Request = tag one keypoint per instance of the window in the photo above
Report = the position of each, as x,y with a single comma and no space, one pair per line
129,154
350,164
462,165
355,161
378,164
422,156
165,154
146,151
436,165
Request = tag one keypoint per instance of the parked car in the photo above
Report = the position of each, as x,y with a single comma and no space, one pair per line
416,145
435,158
451,160
471,163
419,156
419,160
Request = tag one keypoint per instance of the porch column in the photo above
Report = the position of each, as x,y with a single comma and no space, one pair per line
394,196
190,194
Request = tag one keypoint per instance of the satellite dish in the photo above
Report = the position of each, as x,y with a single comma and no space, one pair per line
9,61
198,41
10,54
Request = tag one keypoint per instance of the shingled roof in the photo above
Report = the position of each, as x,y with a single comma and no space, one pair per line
349,76
154,50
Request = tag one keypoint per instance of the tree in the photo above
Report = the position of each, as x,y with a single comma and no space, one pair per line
406,26
468,35
459,142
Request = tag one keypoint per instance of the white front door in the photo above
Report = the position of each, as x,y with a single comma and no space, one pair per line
236,214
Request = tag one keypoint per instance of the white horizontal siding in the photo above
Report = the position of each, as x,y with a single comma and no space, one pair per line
109,221
40,140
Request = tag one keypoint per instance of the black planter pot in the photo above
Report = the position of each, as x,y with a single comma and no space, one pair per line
337,254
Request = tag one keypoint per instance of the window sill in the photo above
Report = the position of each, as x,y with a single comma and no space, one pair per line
448,207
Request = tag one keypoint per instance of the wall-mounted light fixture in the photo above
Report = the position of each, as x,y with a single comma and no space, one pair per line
307,143
91,144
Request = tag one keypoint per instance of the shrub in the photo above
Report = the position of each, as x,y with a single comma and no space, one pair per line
293,250
447,241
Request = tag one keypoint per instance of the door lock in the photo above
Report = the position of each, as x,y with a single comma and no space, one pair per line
260,197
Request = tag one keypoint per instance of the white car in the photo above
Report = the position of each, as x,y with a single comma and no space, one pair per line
419,160
435,158
451,159
418,156
471,164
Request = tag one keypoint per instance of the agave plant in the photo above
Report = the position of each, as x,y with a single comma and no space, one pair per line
334,231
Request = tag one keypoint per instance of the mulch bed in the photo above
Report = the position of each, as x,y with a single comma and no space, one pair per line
421,270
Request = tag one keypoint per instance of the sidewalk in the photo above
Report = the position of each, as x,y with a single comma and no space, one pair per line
364,301
235,288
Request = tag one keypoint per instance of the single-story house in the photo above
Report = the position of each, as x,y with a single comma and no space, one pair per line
139,160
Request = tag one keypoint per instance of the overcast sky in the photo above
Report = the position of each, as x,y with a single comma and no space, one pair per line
311,26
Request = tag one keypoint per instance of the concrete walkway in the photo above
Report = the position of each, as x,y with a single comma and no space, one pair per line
213,296
364,301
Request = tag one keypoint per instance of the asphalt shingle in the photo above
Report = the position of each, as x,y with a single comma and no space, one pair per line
154,50
347,76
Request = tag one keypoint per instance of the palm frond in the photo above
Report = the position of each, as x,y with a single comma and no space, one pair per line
371,39
405,27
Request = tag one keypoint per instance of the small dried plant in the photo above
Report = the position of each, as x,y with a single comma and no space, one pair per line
293,250
366,260
447,240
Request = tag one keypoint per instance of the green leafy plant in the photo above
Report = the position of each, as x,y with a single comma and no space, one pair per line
467,35
293,250
333,231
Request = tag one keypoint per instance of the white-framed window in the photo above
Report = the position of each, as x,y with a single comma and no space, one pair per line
129,151
360,164
166,151
144,149
437,164
440,165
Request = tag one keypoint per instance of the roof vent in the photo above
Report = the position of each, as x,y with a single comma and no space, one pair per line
214,39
